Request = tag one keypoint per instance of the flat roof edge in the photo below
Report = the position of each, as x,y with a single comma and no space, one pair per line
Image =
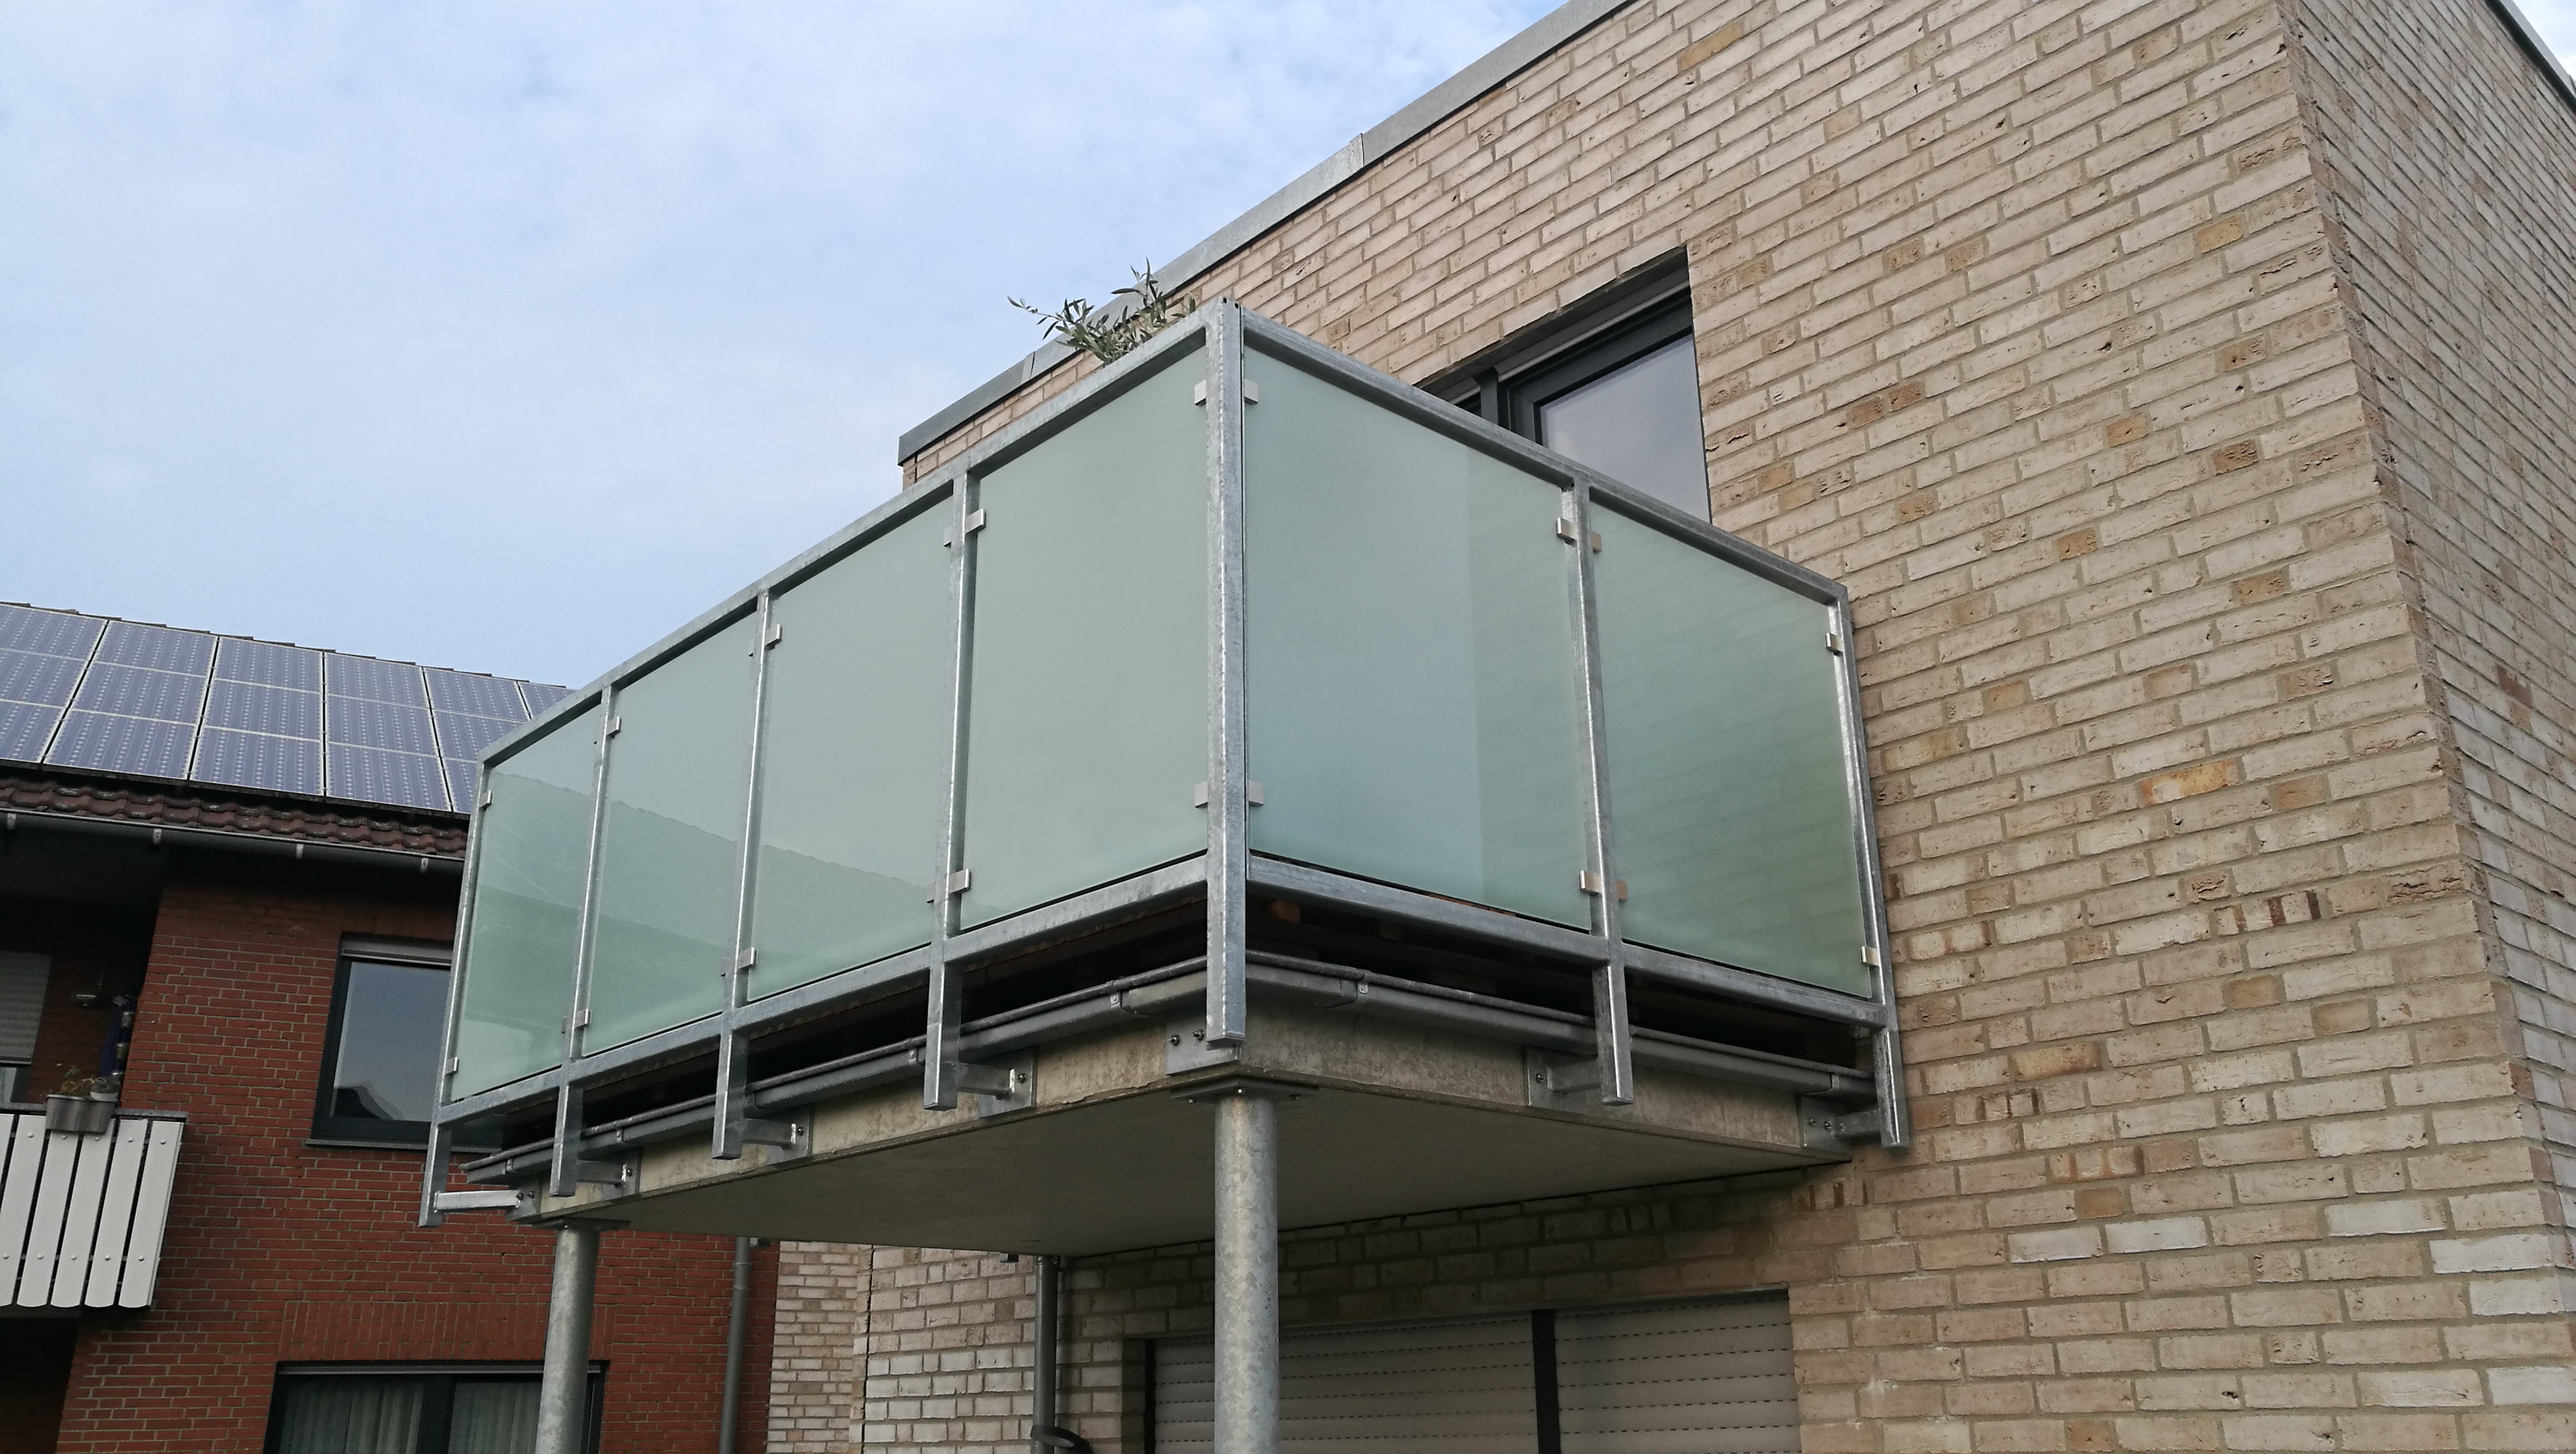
2528,36
1355,156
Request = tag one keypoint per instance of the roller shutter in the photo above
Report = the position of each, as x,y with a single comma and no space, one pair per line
1690,1378
22,1003
1710,1377
1444,1388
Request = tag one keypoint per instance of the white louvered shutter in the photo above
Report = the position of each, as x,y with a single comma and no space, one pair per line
1690,1378
22,1003
1461,1387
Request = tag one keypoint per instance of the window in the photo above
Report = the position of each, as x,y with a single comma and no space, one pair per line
380,1062
1613,383
465,1408
22,1005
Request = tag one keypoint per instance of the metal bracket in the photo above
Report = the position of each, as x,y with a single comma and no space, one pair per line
1551,1082
1824,1126
788,1140
1591,884
500,1200
618,1178
776,633
1252,794
1001,1086
1251,392
1186,1047
1834,642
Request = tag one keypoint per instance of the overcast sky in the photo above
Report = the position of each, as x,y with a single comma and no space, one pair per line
508,336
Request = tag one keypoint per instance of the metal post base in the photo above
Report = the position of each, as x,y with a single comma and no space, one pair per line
563,1397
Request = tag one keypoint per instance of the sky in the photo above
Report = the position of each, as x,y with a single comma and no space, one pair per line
508,337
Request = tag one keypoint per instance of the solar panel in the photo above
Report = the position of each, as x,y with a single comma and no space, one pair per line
381,725
464,738
460,785
28,677
540,697
130,643
254,760
411,779
57,633
249,707
455,691
24,728
377,681
133,691
269,664
106,743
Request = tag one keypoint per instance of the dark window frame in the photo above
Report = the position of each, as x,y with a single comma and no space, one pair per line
1597,336
368,1131
436,1413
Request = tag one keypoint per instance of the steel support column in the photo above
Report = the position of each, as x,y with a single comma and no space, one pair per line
563,1397
1247,1271
1044,1418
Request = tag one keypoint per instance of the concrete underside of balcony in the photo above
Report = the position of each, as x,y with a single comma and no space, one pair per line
1390,1118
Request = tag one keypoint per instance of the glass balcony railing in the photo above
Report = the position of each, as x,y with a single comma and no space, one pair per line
1237,612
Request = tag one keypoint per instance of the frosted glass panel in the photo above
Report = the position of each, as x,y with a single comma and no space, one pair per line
531,847
1088,725
1726,763
1411,651
851,760
670,842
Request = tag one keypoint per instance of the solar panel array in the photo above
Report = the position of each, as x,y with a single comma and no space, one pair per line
120,696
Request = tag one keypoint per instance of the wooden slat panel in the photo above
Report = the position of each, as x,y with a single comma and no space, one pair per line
80,1219
23,1148
151,1214
45,1222
115,1213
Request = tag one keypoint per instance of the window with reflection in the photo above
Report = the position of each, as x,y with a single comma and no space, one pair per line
439,1409
380,1061
1614,383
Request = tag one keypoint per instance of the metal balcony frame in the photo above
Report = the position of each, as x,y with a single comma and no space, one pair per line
1227,869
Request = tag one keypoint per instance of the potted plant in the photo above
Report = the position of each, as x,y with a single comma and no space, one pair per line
85,1106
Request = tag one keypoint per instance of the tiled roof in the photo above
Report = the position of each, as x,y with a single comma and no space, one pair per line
100,695
202,809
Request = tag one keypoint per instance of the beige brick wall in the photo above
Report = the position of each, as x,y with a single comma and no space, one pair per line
2455,211
2218,788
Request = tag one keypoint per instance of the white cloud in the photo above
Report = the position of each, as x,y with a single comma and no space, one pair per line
507,337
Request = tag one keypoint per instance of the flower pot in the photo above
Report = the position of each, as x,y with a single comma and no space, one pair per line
78,1115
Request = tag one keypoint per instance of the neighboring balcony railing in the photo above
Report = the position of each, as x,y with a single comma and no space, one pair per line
1239,621
81,1214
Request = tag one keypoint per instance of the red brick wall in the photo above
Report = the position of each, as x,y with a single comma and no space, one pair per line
282,1252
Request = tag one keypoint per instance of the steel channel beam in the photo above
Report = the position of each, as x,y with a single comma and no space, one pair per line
1229,826
733,1053
1159,992
1429,910
1727,982
568,1108
939,1055
1887,1051
1612,1040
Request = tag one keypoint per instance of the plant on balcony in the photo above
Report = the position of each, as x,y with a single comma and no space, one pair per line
1114,328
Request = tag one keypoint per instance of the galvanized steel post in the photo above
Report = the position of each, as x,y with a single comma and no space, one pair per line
1247,1272
563,1395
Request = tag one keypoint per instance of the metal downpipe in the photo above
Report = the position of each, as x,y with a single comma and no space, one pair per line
1247,1273
735,1331
563,1396
1045,1431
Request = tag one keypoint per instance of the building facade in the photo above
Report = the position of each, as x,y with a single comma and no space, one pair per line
260,966
2180,388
